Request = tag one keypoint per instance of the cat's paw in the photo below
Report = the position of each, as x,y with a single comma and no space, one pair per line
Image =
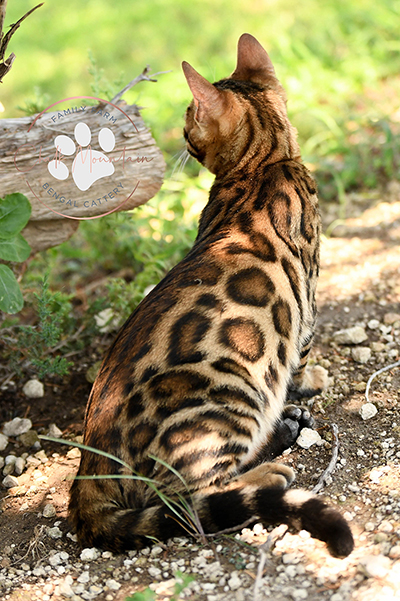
287,429
270,475
314,381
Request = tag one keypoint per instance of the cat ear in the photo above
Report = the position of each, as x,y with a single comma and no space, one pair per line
253,63
209,101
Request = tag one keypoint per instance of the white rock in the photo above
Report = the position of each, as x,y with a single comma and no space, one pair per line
368,410
33,389
49,511
113,585
3,442
361,354
106,320
17,426
65,588
394,552
308,437
19,465
373,324
84,577
89,554
374,566
234,582
54,432
10,481
54,532
299,594
354,335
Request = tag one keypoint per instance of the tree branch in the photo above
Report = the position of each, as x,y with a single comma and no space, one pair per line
142,77
5,65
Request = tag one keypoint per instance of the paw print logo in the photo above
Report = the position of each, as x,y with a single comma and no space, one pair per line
89,165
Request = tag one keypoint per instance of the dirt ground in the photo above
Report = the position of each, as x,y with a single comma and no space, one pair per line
359,285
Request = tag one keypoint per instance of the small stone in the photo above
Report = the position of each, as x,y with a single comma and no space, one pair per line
54,432
234,582
369,527
41,455
29,439
308,437
54,532
373,324
17,426
385,526
360,386
391,318
113,585
394,552
156,550
49,511
19,466
368,410
361,354
33,389
354,335
299,594
374,566
3,442
106,320
84,577
377,347
10,482
89,554
65,588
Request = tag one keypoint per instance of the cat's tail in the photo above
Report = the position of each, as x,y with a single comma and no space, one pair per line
260,493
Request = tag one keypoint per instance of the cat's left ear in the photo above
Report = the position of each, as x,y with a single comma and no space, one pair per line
209,102
253,63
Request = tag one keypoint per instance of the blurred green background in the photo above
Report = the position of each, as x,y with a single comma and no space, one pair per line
339,61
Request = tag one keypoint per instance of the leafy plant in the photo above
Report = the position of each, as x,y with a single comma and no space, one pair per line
15,210
38,343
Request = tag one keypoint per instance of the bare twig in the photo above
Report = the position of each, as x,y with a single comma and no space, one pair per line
234,528
276,534
142,77
5,65
377,373
332,464
13,28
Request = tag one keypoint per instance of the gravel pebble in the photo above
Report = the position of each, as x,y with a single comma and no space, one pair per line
368,410
17,426
49,511
361,354
33,389
54,532
354,335
308,437
10,481
89,554
374,566
3,442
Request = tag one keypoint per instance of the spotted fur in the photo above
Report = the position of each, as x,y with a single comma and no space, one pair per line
199,374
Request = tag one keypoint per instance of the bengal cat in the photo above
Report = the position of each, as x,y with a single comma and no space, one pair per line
199,374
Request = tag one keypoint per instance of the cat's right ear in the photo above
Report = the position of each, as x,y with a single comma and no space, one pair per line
209,101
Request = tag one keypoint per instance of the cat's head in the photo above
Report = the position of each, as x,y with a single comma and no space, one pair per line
241,117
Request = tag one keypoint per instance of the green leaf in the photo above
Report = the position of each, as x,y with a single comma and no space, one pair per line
11,299
14,249
15,210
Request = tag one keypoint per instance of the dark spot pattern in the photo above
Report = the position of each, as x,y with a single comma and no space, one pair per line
282,317
135,406
250,287
282,353
233,397
178,384
243,336
186,333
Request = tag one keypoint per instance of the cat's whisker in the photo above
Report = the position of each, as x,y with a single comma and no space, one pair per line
180,164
